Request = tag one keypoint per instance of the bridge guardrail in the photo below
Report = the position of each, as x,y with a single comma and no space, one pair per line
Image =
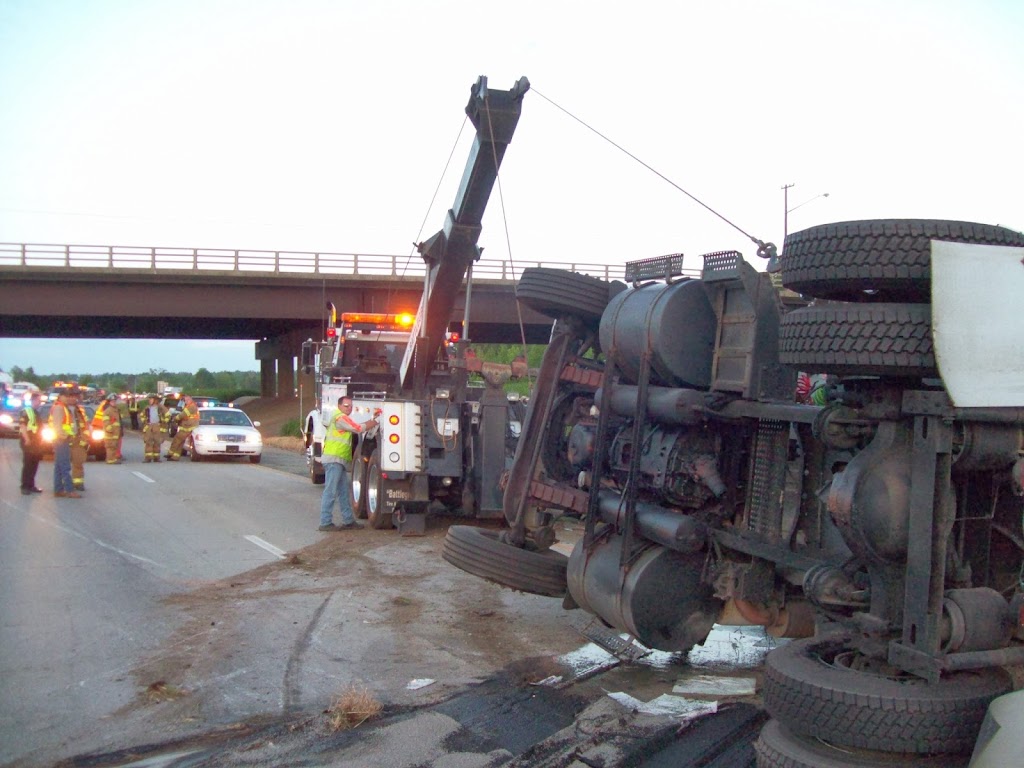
290,263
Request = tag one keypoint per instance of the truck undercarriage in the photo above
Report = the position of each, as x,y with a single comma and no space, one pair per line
880,525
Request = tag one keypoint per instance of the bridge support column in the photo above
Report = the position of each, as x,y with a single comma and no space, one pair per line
268,378
286,376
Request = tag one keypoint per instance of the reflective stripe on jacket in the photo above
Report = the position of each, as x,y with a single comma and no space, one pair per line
66,426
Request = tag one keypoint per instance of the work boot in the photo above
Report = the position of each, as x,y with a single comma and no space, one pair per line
354,525
328,527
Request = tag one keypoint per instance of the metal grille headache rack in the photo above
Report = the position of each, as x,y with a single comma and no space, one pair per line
721,265
656,268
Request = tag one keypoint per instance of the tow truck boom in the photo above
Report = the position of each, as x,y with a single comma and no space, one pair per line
450,253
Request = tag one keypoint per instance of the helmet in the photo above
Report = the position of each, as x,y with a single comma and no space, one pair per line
110,397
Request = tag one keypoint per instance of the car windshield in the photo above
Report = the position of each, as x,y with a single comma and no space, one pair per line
230,418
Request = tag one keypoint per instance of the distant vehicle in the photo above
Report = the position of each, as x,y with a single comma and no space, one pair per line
224,431
9,420
97,448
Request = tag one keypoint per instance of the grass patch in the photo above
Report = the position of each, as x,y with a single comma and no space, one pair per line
352,708
291,428
163,691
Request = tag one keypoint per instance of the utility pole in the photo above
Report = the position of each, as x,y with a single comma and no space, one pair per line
785,212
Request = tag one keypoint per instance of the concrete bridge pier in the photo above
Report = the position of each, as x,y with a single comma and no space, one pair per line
278,358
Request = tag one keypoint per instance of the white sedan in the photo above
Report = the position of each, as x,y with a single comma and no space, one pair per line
225,432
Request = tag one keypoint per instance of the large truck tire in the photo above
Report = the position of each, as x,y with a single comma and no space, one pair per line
876,260
778,747
810,688
482,553
373,488
859,340
558,292
316,472
357,487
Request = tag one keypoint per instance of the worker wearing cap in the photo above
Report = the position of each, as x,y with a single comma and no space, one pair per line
110,419
188,419
80,443
64,427
154,428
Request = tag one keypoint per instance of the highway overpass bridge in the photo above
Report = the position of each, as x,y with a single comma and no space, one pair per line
275,297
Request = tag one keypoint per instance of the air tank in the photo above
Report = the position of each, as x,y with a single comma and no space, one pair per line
676,321
660,599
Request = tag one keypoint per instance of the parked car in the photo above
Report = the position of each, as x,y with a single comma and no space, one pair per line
97,448
225,431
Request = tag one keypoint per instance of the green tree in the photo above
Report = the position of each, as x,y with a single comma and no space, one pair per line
203,381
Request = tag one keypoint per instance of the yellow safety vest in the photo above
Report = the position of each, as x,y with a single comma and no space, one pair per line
338,442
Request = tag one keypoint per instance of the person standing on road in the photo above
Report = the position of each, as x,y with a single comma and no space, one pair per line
80,445
336,458
110,423
133,412
65,427
31,432
154,428
188,419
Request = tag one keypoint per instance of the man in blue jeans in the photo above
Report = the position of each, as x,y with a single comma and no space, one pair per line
337,458
65,431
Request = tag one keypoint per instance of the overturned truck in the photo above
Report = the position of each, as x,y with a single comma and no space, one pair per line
880,525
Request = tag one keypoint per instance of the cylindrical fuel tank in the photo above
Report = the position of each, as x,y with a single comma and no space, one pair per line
676,321
660,600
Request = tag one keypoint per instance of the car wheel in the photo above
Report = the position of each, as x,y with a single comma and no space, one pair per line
813,689
860,339
778,747
880,260
255,459
193,454
374,487
482,553
316,472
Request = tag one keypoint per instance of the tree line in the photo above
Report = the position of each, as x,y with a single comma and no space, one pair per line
223,385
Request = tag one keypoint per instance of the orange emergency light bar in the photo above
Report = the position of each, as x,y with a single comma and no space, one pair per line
378,321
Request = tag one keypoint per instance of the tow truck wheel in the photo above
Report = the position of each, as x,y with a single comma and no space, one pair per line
374,489
558,292
357,487
860,339
880,260
482,553
817,689
778,747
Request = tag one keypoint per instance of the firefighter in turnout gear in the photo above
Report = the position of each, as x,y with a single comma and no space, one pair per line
80,443
188,419
154,428
109,418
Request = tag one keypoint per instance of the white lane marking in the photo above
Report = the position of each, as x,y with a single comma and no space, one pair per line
278,553
141,476
98,543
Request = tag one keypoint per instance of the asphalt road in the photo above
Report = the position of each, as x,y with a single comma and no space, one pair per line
191,614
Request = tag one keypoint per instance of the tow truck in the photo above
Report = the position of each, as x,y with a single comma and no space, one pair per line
442,438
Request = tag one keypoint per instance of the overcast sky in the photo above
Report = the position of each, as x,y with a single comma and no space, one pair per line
306,125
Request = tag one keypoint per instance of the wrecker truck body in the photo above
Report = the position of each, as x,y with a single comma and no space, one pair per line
442,439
